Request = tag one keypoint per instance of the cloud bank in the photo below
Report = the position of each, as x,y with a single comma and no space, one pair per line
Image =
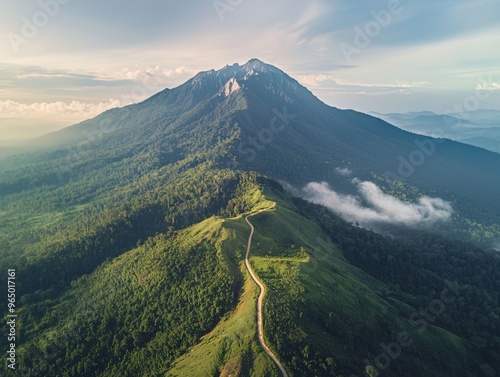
22,121
372,205
25,110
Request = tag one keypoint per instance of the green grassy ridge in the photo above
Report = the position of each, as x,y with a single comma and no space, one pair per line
231,348
135,314
324,316
100,320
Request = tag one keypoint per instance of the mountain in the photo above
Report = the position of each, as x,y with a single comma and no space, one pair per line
128,236
480,128
254,114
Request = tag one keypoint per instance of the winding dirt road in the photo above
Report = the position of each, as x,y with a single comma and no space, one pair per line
260,323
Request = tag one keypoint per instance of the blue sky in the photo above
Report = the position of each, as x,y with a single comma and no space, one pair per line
62,61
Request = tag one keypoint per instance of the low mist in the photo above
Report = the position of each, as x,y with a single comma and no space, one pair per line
372,205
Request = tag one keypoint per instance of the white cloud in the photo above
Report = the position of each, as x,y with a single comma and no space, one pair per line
343,171
337,85
374,206
156,72
41,75
315,79
490,86
44,109
397,84
21,121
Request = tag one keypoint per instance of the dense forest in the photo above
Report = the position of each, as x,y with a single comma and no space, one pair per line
417,268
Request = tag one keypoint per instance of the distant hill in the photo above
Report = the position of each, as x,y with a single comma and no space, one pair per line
480,128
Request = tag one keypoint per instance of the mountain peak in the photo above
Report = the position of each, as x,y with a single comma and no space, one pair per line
259,66
253,67
256,61
253,74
